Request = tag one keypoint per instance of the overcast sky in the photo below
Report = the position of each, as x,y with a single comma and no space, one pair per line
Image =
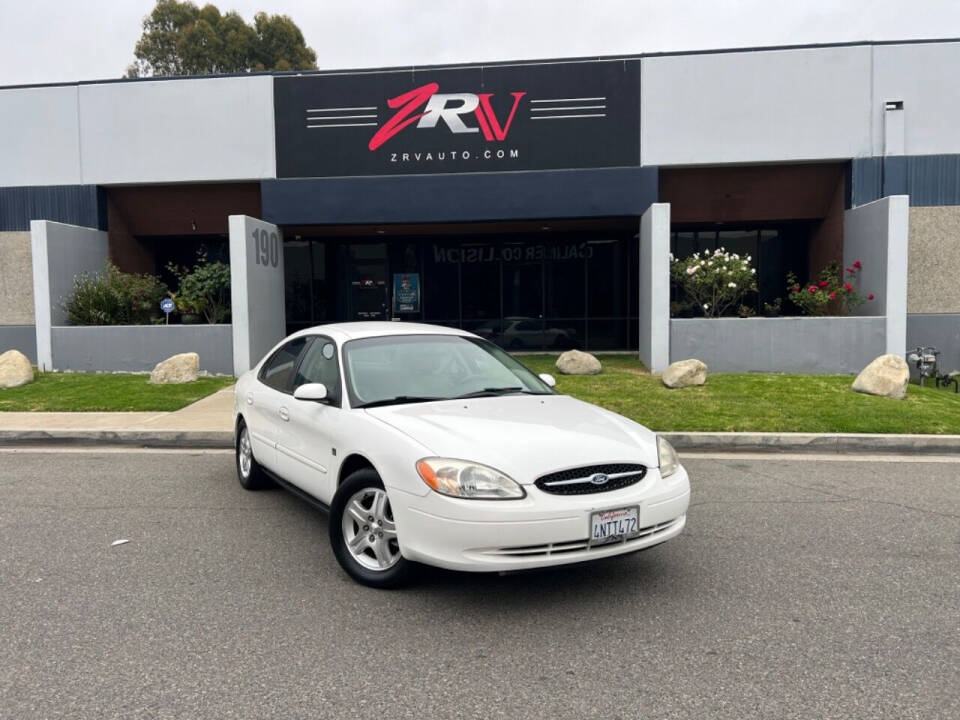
61,40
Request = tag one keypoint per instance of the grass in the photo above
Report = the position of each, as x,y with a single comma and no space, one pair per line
757,402
75,392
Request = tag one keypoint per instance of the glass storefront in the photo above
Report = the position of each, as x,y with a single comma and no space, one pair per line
533,291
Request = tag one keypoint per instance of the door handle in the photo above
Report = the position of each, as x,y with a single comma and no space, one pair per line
284,414
249,398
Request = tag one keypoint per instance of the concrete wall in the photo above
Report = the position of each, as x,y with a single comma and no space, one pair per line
773,106
256,289
924,77
19,337
654,300
877,234
16,279
940,331
60,254
39,136
140,348
932,285
787,345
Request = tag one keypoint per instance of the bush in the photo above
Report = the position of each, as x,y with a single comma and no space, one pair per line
830,294
716,283
204,289
113,297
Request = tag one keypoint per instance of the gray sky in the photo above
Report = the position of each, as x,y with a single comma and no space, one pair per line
60,40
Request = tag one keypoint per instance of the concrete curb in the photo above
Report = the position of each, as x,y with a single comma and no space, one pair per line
838,443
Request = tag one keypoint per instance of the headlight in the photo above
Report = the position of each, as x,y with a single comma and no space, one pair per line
462,479
669,462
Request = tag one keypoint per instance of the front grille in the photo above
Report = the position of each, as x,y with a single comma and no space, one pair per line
532,551
579,481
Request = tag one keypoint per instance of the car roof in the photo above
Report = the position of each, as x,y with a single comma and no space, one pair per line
363,329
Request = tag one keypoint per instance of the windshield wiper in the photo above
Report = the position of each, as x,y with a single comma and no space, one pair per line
398,400
493,392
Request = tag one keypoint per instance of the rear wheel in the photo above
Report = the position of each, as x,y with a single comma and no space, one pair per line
363,532
249,472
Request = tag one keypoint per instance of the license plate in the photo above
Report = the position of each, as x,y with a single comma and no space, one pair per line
611,526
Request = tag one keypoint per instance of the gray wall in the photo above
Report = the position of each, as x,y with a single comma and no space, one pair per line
940,331
654,300
40,136
16,279
140,348
788,345
19,337
934,243
257,290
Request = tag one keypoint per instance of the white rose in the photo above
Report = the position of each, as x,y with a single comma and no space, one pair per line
706,306
753,271
731,285
691,270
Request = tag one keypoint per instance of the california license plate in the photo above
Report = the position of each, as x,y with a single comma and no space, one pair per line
611,526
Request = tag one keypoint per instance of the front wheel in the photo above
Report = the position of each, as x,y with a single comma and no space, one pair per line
249,472
363,532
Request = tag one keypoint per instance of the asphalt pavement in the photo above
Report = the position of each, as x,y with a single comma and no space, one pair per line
803,587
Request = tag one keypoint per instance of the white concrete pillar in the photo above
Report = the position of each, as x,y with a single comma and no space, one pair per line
877,234
256,289
655,287
60,253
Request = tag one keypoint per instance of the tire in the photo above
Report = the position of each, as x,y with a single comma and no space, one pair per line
249,472
377,563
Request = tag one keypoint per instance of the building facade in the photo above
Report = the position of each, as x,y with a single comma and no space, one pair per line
506,198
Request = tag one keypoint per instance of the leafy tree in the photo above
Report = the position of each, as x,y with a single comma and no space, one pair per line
180,38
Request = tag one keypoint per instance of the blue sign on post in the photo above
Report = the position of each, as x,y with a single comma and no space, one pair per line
406,293
167,306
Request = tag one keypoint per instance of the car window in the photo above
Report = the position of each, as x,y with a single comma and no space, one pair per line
319,365
277,372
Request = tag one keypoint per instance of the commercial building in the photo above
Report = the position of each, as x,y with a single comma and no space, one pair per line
532,202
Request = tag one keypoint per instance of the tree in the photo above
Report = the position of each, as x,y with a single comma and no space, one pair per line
180,38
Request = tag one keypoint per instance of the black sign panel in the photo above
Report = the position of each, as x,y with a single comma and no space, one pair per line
470,119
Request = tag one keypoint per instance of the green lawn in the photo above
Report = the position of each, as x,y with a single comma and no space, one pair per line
74,392
761,402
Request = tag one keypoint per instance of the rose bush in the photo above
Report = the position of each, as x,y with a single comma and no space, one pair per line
831,294
715,282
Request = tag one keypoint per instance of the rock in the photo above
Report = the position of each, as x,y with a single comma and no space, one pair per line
886,376
181,368
15,369
574,362
685,373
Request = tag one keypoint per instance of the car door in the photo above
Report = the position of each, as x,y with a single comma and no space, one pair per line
307,439
267,396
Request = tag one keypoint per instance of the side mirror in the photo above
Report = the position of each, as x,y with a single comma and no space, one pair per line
548,379
315,392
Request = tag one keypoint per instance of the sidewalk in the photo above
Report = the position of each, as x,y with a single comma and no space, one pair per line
208,423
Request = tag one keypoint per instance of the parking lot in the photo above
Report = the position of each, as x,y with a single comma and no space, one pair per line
802,587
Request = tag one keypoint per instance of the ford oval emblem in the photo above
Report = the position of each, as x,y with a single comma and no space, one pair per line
599,479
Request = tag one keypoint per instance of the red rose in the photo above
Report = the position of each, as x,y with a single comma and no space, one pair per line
796,288
851,271
813,289
870,296
848,287
833,296
823,283
857,265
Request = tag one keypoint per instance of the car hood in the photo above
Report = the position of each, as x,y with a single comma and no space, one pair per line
525,436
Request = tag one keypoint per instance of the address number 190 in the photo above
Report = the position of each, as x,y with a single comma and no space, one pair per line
266,247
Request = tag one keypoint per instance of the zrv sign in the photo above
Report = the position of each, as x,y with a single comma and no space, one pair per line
516,117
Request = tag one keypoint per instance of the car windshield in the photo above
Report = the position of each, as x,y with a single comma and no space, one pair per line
418,368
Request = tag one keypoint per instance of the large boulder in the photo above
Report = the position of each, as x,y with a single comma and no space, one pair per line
182,368
887,376
15,369
685,373
575,362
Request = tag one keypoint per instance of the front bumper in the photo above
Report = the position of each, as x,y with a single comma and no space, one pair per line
540,530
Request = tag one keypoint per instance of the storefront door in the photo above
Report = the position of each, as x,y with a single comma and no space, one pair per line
367,293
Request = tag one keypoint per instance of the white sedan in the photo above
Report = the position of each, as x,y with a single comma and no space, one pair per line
432,445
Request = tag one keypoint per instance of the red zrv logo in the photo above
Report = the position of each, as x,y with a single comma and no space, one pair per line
448,107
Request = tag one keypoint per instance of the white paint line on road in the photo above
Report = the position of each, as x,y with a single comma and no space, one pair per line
820,457
105,449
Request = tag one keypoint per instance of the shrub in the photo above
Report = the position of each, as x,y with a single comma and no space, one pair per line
204,289
830,294
112,297
715,282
